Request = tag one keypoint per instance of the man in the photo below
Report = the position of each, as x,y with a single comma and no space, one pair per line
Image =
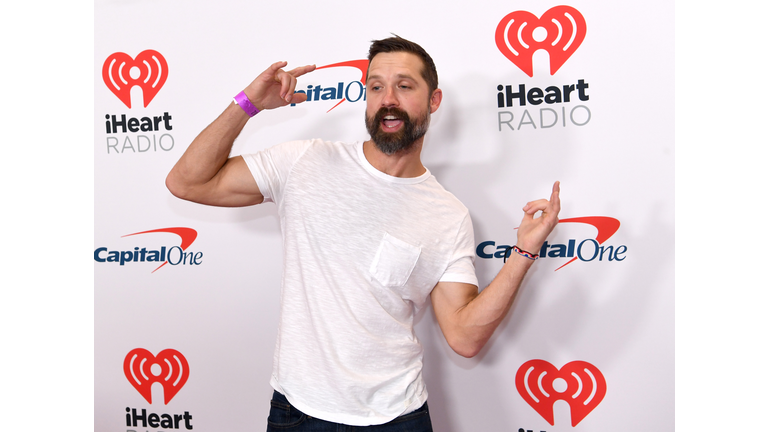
346,352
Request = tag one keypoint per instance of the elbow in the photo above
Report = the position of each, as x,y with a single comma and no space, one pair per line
466,349
175,187
467,341
467,353
171,185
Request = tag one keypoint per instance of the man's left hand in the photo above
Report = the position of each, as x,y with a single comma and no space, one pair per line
533,231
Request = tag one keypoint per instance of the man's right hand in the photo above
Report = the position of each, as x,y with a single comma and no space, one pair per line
275,87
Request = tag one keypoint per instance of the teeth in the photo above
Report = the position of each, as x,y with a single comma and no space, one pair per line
390,117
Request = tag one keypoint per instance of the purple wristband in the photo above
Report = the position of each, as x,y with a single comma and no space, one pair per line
242,100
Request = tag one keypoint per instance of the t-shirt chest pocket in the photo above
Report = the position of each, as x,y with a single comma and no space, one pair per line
394,261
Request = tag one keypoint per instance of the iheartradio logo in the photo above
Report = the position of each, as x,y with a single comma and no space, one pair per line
148,70
169,368
559,32
578,383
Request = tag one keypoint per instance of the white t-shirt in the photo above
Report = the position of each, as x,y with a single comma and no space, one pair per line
362,252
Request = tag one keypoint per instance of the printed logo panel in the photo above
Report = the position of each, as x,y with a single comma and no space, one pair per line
578,383
586,250
337,92
148,70
169,368
173,255
147,133
545,106
559,32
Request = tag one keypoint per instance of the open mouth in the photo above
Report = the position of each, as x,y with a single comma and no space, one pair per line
391,122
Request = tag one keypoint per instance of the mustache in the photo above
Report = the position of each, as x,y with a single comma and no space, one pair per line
397,112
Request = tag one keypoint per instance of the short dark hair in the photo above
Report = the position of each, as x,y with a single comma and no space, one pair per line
398,44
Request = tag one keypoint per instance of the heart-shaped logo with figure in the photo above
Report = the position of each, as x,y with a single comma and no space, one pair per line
121,73
559,32
580,384
169,368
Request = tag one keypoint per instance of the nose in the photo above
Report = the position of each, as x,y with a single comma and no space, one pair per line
389,99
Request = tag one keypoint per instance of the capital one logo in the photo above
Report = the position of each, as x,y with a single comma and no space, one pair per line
578,383
121,73
174,255
586,250
169,368
559,32
352,91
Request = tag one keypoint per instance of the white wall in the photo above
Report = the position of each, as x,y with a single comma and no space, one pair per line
222,314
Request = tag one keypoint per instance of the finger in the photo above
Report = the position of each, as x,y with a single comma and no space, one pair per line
555,196
555,192
272,70
527,217
555,199
287,85
556,188
534,206
299,71
298,98
291,96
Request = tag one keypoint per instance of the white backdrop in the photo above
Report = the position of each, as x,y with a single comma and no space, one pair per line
220,311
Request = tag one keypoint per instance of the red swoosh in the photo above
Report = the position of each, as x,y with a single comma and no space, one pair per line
606,227
361,65
188,236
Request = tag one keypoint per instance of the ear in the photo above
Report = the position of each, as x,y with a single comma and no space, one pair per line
434,101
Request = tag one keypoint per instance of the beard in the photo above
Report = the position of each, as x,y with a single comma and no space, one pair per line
393,142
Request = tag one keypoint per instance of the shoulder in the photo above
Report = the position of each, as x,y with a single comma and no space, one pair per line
290,150
318,145
447,199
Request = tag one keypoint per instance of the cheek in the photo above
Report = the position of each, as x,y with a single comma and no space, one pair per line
371,109
371,105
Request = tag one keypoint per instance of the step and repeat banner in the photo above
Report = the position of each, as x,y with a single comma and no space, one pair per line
187,296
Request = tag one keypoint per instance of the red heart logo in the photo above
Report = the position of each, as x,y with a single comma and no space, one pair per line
565,29
152,72
585,388
172,373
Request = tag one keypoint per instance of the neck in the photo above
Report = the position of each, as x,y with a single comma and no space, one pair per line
404,163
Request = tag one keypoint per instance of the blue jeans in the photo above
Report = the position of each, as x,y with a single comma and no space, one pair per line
284,417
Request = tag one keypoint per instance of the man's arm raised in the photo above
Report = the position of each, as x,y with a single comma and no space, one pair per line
205,173
468,318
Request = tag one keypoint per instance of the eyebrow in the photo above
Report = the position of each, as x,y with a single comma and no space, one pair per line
400,76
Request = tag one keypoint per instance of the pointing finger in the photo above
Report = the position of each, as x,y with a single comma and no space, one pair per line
555,188
299,71
554,199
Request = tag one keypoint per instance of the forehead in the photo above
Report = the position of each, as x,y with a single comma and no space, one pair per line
385,65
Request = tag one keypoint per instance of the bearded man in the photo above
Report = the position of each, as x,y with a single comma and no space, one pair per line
346,352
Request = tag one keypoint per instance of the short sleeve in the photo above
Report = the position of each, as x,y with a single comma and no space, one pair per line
462,264
272,167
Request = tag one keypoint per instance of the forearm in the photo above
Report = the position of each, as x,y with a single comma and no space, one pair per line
479,318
